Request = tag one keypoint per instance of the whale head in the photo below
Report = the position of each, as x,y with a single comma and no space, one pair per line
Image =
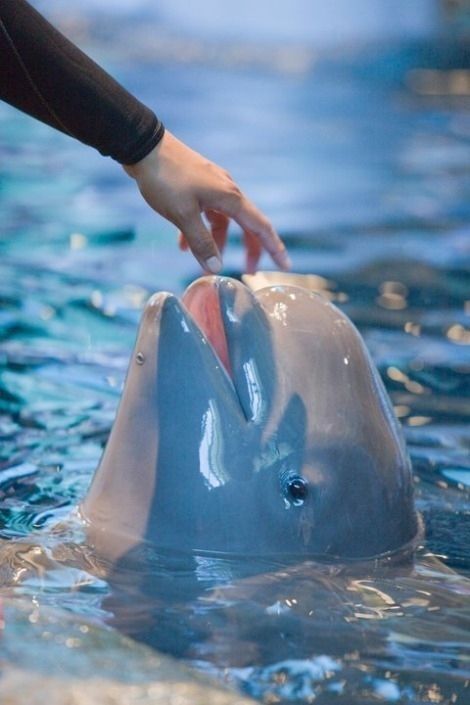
253,423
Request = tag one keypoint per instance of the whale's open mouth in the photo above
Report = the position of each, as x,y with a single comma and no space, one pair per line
204,305
235,323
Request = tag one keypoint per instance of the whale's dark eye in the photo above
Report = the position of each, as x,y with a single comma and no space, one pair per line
297,489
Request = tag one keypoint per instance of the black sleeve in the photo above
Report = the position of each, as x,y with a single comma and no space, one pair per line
48,77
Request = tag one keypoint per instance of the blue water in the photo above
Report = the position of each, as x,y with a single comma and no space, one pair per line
370,185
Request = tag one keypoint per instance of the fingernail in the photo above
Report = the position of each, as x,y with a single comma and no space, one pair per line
213,264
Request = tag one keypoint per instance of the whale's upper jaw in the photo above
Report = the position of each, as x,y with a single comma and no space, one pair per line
231,395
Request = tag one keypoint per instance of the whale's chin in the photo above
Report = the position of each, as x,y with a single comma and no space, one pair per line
252,423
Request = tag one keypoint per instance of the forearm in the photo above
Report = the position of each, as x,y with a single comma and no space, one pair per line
48,77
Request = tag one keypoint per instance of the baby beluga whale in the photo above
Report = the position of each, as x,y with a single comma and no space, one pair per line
252,422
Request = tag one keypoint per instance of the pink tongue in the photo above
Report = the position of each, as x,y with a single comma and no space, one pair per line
203,304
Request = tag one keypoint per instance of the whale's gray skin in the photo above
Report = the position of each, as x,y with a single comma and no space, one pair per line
283,442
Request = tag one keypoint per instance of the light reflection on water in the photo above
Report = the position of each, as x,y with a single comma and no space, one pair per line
371,188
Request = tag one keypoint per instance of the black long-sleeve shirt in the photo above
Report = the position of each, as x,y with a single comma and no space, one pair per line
43,74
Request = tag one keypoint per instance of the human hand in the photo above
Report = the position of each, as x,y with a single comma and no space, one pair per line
181,185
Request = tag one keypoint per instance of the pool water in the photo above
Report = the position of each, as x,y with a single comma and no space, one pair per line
370,186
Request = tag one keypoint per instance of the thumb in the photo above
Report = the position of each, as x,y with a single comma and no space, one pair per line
202,244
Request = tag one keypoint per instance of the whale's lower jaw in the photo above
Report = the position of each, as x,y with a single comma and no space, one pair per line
252,424
402,552
126,548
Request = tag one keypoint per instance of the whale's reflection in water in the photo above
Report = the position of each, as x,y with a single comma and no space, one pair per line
393,630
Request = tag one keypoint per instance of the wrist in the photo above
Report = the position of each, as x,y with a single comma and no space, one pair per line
136,170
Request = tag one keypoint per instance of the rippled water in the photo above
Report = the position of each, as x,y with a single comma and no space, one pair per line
370,185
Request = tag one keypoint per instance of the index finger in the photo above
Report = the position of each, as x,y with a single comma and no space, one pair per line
251,219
